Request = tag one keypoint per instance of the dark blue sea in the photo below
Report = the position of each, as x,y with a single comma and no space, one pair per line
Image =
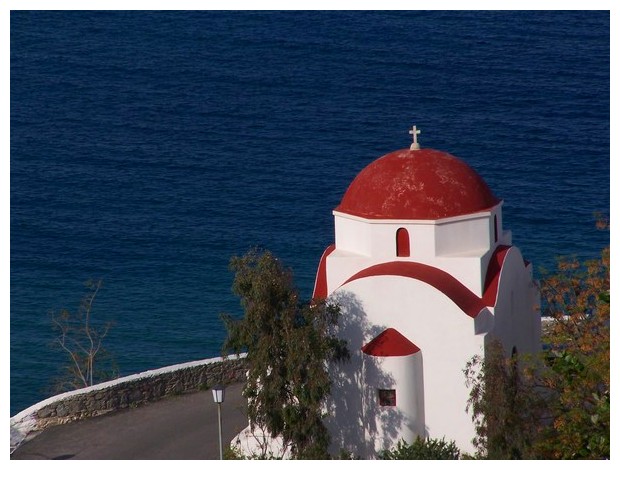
147,148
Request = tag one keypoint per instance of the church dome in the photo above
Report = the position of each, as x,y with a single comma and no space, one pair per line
422,184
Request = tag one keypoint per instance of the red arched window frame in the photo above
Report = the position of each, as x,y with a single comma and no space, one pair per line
402,243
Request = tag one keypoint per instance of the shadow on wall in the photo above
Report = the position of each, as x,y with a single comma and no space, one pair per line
351,409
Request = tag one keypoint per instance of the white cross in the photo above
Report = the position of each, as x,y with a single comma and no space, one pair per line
415,145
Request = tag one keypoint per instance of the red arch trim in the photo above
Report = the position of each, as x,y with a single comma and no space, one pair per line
320,284
462,296
491,281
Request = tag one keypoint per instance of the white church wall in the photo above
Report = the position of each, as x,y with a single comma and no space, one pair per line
504,237
421,244
377,238
428,238
496,221
260,444
386,425
463,235
443,332
466,269
517,310
341,265
461,246
352,235
345,406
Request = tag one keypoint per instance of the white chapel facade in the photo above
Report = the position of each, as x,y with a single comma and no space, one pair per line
425,275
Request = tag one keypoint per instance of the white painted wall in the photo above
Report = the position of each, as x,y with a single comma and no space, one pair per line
462,236
342,264
386,425
429,238
517,310
352,235
461,246
445,335
448,338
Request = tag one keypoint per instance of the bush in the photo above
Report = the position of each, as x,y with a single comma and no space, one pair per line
422,449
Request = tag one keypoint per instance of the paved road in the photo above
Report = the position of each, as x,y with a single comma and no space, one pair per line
176,428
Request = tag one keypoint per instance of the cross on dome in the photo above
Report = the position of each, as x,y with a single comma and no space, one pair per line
415,145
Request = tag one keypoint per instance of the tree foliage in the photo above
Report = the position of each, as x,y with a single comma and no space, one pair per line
504,404
556,406
80,337
288,346
578,356
422,449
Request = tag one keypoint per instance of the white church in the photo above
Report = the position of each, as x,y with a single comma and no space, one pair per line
425,276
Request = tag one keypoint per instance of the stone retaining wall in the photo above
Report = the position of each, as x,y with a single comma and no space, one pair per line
125,392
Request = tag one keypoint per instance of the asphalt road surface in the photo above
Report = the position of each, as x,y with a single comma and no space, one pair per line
176,428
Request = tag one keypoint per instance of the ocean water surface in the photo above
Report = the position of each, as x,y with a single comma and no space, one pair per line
147,148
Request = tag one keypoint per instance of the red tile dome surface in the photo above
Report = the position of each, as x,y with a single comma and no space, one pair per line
423,184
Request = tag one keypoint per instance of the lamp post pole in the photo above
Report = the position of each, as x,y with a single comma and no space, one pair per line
218,397
219,424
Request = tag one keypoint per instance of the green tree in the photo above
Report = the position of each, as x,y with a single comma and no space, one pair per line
578,375
556,406
80,337
288,344
505,405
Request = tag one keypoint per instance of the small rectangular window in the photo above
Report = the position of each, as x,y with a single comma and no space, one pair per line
387,398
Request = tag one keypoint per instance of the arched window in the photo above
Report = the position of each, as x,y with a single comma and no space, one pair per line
495,226
402,243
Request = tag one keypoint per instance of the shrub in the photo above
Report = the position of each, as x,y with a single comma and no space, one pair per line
422,449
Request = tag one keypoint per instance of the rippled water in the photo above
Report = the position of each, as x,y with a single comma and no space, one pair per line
149,147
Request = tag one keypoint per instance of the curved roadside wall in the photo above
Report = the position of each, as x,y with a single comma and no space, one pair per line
125,392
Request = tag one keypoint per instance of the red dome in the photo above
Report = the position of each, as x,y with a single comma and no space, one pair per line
421,184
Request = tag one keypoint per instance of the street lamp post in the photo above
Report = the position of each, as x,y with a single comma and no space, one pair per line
218,397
